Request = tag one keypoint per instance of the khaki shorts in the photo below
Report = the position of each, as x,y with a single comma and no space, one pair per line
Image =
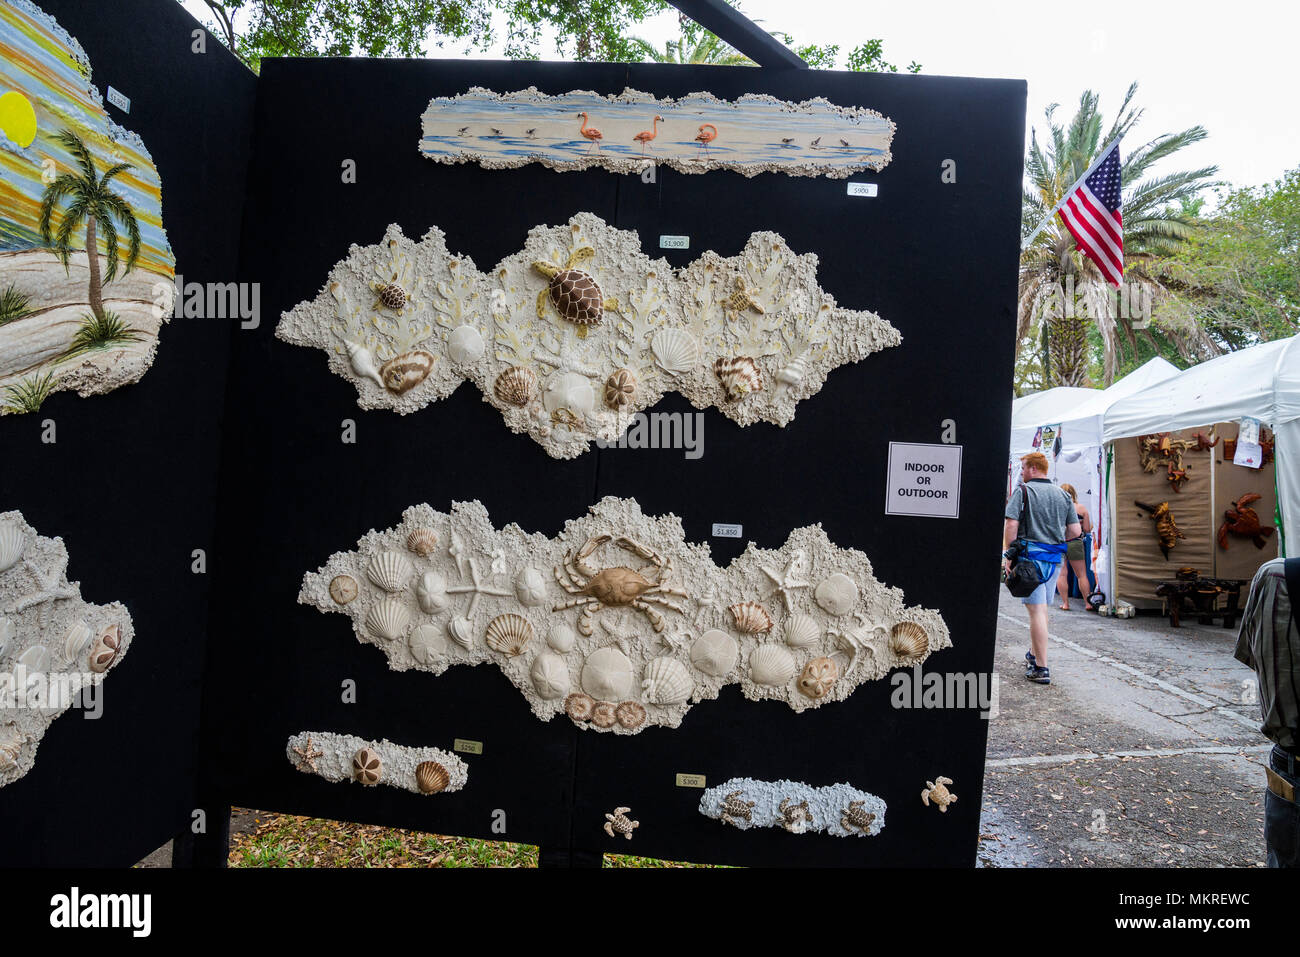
1074,550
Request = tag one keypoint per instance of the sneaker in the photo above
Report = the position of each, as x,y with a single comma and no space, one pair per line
1031,664
1042,676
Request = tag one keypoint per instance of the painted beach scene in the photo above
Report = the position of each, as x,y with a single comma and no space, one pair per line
72,182
632,131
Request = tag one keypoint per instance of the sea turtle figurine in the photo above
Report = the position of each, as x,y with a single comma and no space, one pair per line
937,791
620,823
795,818
573,292
736,807
854,817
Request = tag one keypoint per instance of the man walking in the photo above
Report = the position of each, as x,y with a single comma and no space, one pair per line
1042,516
1269,643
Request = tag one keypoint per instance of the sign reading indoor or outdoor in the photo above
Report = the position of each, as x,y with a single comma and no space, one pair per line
923,480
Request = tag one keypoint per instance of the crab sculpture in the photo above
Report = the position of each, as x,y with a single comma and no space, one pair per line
620,823
795,818
618,586
937,791
853,817
1243,520
736,807
740,301
573,292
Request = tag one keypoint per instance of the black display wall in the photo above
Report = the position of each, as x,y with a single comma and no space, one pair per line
130,484
936,259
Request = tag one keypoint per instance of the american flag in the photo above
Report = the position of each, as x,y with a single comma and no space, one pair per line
1091,212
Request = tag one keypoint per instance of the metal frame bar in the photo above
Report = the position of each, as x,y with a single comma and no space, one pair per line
733,27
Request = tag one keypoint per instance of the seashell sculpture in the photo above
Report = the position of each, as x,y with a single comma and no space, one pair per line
345,757
585,322
837,595
52,643
422,541
390,571
388,619
509,634
839,810
666,681
343,588
751,618
640,625
909,641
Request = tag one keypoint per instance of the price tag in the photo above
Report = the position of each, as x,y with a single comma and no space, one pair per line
862,189
119,99
727,531
674,242
923,480
690,780
467,747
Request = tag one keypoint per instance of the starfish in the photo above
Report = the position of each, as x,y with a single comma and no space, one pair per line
785,581
48,587
476,589
309,754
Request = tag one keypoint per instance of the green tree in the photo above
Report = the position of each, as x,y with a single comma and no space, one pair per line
694,46
91,202
864,58
583,29
1156,222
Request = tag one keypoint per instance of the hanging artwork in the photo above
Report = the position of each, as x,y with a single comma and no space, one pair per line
839,809
1167,531
572,335
632,131
70,180
54,647
619,623
345,757
1243,520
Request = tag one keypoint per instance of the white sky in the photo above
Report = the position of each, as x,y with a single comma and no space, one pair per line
1230,68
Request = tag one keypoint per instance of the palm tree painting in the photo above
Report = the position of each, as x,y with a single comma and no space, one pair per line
1155,222
95,204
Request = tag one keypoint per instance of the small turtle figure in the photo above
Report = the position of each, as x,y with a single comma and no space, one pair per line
734,806
620,823
391,296
573,292
854,817
795,818
740,300
937,791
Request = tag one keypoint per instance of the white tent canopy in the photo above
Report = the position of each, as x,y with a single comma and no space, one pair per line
1262,382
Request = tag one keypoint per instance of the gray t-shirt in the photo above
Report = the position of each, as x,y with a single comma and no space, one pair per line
1050,510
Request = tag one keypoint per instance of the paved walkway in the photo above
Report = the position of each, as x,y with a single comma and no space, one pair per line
1143,752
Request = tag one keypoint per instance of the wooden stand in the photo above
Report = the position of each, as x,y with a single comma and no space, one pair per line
1199,595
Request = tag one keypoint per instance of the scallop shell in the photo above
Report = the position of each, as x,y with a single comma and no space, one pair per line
107,646
465,344
715,653
751,618
771,664
666,681
837,594
77,641
562,638
578,706
516,386
550,675
390,571
422,541
461,631
509,633
909,641
630,715
802,631
530,587
431,593
403,373
11,545
367,767
604,715
570,391
388,619
343,589
818,677
425,644
739,375
607,675
431,777
620,389
676,350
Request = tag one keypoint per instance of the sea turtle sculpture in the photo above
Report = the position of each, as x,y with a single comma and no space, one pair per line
573,292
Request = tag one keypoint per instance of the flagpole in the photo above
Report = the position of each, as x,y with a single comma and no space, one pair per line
1086,173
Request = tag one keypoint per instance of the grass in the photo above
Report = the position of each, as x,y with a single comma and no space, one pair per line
98,332
28,395
288,840
14,305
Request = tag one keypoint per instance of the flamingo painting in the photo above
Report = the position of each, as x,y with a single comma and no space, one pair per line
594,135
708,133
645,136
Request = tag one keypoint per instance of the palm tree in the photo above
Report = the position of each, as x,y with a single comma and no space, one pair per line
93,202
695,46
1155,222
